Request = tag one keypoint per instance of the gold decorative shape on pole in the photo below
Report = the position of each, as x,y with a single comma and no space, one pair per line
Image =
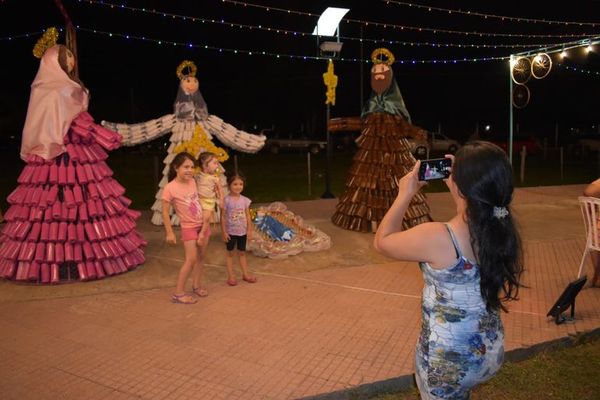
331,81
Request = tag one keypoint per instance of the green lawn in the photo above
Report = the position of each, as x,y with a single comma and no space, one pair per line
564,373
284,177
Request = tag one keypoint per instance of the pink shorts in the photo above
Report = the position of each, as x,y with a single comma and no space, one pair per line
192,233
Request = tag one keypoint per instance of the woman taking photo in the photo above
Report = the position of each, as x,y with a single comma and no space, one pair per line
470,265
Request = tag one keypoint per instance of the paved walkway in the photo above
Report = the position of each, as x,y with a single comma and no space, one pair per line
317,324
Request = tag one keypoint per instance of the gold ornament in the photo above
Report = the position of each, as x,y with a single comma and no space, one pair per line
200,142
186,64
331,81
47,40
382,51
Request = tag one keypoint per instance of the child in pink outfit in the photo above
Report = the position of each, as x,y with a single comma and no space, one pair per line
182,193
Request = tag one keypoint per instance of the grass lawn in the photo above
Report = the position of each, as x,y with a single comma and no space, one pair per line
561,372
284,177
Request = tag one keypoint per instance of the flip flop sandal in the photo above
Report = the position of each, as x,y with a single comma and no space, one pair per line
231,282
181,299
249,279
200,292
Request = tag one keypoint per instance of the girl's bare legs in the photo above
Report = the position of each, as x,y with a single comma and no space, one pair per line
244,266
199,269
186,269
229,263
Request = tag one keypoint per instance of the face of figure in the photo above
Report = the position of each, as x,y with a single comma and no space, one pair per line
381,78
189,84
211,166
70,61
186,170
236,186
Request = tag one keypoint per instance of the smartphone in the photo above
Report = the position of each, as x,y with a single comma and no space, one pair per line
436,168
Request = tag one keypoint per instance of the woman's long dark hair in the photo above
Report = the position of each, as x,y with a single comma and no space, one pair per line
178,162
484,177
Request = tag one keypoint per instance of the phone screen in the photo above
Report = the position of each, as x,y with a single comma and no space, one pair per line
437,168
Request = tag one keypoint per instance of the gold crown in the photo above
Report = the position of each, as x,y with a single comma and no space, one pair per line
382,51
47,40
186,64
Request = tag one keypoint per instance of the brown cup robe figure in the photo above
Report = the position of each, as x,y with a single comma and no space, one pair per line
383,155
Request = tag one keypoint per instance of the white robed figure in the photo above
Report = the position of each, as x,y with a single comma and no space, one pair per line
192,130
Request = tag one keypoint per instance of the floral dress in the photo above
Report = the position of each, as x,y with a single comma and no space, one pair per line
461,343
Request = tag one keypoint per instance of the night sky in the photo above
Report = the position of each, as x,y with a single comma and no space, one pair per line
134,80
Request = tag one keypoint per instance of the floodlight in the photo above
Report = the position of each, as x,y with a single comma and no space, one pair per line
328,21
331,47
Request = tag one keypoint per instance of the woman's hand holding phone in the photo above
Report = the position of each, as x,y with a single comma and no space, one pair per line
409,184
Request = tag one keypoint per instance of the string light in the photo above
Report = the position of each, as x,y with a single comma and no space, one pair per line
274,30
22,35
561,47
581,70
290,56
413,28
501,17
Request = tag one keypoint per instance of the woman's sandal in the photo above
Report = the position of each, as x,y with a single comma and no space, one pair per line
183,299
231,282
249,279
200,292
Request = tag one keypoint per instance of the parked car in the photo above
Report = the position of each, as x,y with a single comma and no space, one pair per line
419,148
276,145
436,142
441,142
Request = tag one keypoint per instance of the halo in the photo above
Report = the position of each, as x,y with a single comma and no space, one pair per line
186,64
382,51
47,40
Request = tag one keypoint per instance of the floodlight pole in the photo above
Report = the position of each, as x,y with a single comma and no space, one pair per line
327,193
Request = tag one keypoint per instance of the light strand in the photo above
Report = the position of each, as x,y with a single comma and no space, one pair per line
277,55
581,70
500,17
22,35
274,30
407,27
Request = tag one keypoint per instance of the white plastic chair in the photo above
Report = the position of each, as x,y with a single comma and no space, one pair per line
590,208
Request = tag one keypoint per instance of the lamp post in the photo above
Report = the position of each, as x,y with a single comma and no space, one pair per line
328,25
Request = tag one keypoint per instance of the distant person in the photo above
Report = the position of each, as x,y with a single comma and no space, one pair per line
470,265
236,227
593,190
182,193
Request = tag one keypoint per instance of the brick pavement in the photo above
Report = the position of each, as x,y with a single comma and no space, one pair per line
333,326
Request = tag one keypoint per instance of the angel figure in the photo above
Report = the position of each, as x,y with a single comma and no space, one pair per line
192,130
